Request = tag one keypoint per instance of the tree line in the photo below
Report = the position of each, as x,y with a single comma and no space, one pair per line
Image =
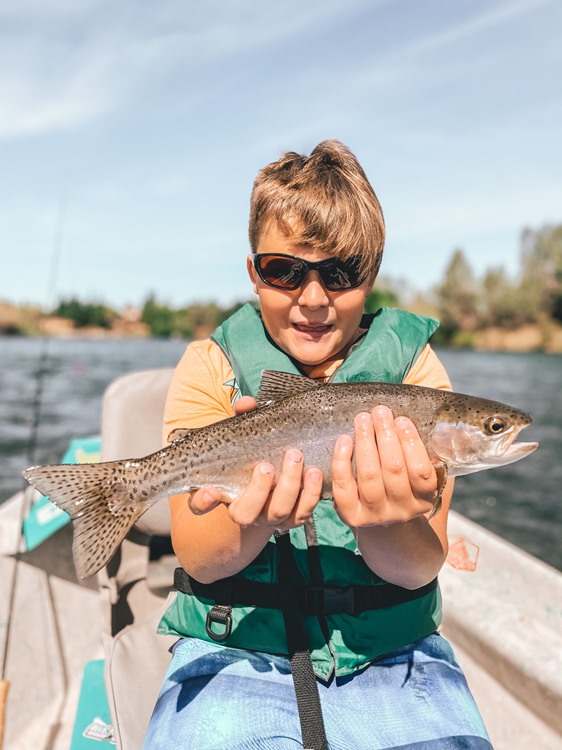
463,302
164,321
467,304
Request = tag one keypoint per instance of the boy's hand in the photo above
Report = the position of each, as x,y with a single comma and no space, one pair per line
282,503
396,480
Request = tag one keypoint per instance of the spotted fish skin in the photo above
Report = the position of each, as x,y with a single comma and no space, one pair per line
464,433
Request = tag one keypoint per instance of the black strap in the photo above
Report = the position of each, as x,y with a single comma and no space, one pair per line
306,687
311,600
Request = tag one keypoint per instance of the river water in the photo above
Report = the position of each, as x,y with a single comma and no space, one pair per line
520,502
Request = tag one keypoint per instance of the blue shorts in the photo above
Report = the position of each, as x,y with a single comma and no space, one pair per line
215,697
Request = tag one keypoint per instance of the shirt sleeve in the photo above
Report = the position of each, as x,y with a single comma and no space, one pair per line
428,371
201,389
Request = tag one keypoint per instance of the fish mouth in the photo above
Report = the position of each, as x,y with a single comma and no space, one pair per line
507,450
517,450
503,455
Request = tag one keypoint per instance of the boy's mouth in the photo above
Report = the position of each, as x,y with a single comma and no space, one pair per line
312,330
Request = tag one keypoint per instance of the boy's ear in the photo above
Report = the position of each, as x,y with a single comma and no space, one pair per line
252,273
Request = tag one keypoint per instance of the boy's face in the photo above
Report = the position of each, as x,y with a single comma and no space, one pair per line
311,324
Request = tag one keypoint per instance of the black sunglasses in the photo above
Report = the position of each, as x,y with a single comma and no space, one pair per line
287,272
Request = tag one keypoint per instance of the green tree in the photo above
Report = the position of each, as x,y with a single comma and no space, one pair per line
458,297
500,300
203,316
541,276
159,318
182,325
380,298
85,313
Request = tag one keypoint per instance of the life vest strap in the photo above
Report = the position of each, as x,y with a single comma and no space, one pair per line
311,600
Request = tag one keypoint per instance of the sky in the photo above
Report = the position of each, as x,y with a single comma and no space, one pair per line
131,133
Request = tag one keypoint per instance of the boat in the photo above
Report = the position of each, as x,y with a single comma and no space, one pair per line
83,663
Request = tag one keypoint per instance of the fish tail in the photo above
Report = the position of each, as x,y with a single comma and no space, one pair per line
100,500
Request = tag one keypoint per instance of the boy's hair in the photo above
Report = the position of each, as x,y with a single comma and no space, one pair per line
323,200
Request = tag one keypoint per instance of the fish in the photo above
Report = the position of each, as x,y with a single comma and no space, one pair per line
462,433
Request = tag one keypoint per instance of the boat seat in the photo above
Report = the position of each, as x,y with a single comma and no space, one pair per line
132,418
136,657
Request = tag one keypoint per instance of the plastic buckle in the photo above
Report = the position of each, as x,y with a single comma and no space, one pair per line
222,616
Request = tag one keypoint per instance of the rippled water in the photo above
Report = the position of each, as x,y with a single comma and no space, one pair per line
76,376
520,502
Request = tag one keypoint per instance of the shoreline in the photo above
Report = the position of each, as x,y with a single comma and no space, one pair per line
526,339
544,335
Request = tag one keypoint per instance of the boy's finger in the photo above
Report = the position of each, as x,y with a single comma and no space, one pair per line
309,496
287,490
369,476
392,461
246,508
245,404
421,471
204,500
344,486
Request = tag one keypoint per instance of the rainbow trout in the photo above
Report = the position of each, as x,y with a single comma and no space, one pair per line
463,433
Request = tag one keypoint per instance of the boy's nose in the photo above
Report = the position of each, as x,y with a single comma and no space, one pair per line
313,293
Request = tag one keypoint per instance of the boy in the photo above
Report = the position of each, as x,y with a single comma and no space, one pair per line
378,671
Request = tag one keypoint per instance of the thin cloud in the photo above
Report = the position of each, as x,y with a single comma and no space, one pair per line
65,65
489,19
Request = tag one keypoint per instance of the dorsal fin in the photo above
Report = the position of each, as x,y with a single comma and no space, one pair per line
275,386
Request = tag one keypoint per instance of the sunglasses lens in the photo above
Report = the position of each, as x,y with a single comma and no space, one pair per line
338,275
281,271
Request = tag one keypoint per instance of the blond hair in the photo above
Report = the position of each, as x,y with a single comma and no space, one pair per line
323,200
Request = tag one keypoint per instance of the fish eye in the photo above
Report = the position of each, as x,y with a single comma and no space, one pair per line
495,425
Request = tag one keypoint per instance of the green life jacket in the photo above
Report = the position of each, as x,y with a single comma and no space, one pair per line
338,642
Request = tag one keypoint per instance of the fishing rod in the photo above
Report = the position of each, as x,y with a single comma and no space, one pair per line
27,491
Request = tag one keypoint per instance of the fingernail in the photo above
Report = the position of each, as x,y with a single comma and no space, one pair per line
294,456
266,469
314,474
403,423
383,411
344,441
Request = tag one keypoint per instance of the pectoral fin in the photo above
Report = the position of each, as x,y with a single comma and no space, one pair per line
442,475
